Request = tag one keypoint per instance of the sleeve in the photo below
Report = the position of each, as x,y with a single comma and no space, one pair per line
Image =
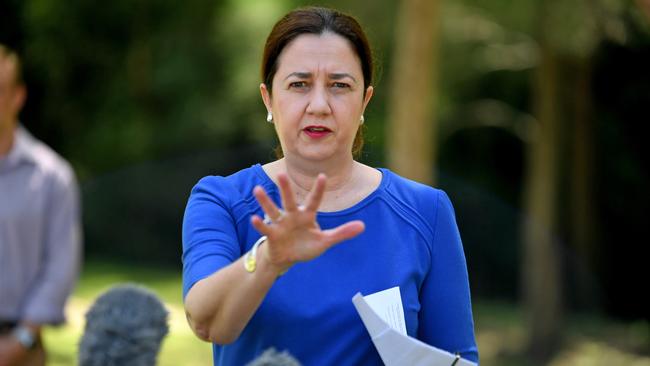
446,317
61,254
209,232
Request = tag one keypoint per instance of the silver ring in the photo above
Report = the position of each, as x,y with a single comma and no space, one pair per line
269,221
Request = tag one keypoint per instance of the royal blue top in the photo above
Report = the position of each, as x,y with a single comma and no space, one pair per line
411,240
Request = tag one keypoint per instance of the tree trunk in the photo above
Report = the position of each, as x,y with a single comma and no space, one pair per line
581,177
541,264
411,139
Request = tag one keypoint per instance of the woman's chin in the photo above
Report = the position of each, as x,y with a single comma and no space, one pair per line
318,154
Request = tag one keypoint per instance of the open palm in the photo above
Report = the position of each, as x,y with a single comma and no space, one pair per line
293,235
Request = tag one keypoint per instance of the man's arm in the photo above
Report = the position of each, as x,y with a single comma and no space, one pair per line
62,253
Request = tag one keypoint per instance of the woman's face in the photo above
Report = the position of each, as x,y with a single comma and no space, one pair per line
317,98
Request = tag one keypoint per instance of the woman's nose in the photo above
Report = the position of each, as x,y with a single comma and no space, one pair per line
319,101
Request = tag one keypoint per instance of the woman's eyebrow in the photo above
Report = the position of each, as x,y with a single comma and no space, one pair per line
333,76
341,75
299,75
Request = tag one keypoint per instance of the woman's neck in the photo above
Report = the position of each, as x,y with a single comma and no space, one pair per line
342,179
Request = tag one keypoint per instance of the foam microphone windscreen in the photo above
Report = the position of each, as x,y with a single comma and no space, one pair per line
125,326
271,357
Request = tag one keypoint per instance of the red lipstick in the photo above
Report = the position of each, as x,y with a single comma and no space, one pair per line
316,131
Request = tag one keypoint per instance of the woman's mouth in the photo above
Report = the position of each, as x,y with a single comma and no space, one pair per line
317,131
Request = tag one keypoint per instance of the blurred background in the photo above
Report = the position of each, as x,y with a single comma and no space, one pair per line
531,115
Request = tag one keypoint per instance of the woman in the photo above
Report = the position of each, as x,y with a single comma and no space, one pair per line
273,254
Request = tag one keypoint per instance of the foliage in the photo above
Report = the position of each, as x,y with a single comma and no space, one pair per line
145,97
138,80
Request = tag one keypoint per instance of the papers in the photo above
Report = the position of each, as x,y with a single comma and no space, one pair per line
384,325
387,305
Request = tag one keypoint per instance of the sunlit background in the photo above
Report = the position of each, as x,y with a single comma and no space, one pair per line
531,115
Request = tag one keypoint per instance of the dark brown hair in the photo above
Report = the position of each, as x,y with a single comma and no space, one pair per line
317,20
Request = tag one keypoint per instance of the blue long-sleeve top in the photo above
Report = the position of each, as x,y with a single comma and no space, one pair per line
411,241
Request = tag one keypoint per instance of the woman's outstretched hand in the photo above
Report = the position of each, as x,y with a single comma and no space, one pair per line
293,235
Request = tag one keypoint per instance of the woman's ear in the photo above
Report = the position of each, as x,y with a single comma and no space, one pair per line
367,97
266,96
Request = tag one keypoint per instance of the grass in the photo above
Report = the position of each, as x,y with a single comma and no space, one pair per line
180,347
589,340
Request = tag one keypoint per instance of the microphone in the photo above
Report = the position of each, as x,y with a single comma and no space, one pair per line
124,326
271,357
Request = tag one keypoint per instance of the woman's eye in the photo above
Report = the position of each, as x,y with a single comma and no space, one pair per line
298,84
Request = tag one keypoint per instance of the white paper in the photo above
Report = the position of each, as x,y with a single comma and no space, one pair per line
388,305
397,349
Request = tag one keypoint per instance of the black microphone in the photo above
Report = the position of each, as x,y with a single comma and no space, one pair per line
271,357
125,327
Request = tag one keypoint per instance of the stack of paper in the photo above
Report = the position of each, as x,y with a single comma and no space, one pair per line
380,313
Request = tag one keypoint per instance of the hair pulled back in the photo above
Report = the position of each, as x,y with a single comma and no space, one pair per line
317,20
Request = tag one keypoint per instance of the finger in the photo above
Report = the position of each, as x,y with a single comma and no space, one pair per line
260,226
267,204
286,193
316,194
344,232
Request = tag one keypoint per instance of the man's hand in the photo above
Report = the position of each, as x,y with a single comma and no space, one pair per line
11,351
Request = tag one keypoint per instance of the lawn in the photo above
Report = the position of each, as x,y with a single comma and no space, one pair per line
180,347
589,340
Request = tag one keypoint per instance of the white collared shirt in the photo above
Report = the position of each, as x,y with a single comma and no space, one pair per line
40,232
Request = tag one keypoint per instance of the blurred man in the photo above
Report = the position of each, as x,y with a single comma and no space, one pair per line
40,234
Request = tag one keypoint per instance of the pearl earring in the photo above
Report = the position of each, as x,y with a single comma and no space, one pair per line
269,117
362,119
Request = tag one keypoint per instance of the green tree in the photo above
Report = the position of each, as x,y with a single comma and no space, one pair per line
411,130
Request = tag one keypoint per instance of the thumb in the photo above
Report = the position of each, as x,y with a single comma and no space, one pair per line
343,232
